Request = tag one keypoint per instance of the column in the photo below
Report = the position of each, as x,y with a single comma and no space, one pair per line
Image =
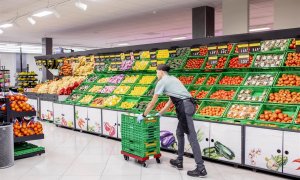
235,16
286,14
203,22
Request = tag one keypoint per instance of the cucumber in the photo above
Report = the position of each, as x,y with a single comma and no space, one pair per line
209,150
224,151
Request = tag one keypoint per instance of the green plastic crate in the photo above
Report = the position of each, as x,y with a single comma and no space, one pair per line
70,100
85,103
145,76
194,88
280,74
231,75
243,111
135,86
102,78
195,57
228,68
277,89
125,92
214,68
142,153
215,75
171,110
281,53
290,68
128,100
211,103
144,100
138,77
217,88
188,75
146,67
290,110
255,94
92,78
260,74
203,88
201,75
177,63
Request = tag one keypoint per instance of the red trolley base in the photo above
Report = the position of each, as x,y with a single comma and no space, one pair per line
141,160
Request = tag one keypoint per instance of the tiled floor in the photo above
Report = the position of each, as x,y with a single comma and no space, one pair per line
71,155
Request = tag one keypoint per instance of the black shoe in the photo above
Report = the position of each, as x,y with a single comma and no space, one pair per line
177,163
198,172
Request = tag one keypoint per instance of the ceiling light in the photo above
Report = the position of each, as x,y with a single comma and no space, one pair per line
123,44
43,13
31,20
178,38
81,5
259,29
1,31
7,25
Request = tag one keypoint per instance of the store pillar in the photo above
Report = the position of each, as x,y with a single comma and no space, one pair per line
47,46
235,16
203,19
286,14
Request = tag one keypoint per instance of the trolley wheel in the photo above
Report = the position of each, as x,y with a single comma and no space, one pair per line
158,160
126,158
144,165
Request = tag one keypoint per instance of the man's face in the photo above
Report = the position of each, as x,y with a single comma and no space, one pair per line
159,74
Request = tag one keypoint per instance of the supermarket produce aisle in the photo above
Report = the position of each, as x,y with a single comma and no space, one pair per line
74,155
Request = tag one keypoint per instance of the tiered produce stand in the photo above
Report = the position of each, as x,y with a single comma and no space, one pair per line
247,93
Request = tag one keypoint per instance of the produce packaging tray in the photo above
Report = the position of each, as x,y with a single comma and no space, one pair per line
283,110
252,94
229,80
277,45
208,114
284,95
261,79
227,95
239,111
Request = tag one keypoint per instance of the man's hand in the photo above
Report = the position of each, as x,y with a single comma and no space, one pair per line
158,114
140,118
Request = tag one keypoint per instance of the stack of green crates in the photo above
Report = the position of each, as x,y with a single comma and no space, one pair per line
140,139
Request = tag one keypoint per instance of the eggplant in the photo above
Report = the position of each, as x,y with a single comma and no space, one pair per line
224,151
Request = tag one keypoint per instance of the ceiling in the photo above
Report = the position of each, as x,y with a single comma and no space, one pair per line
107,23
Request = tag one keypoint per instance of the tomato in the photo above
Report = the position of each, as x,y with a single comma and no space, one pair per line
201,94
235,63
293,59
203,51
211,80
194,63
212,111
186,79
289,80
231,80
223,95
200,80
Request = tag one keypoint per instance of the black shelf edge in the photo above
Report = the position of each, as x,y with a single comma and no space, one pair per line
15,114
30,154
28,138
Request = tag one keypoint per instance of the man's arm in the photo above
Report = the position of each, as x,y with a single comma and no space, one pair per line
151,104
167,106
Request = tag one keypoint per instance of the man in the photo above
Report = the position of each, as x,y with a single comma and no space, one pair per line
185,109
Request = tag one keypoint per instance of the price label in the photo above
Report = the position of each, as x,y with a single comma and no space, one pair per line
195,51
136,56
223,49
212,50
88,60
44,62
213,60
172,53
153,55
244,58
118,58
298,45
113,66
118,66
243,48
254,47
127,56
153,64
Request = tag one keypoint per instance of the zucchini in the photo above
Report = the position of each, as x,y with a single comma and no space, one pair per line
209,150
224,151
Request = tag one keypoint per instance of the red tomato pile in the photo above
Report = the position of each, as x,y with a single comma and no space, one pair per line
193,92
289,80
200,80
229,47
223,95
162,105
293,59
212,111
201,94
293,44
231,80
194,63
221,63
186,79
211,80
235,63
276,116
203,51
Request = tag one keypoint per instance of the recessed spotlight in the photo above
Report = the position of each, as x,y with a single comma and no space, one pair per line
43,13
7,25
81,5
178,38
31,20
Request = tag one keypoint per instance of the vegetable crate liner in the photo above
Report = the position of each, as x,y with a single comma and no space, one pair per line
214,104
255,94
243,112
291,89
290,110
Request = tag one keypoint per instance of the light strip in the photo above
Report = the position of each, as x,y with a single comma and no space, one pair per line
31,20
7,25
43,13
81,5
1,31
259,29
123,44
178,38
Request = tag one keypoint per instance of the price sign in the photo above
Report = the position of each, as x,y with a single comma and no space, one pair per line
153,64
44,62
243,48
298,45
112,58
212,60
223,49
195,51
88,59
127,56
118,66
118,58
212,50
101,59
244,58
136,56
254,47
172,53
153,55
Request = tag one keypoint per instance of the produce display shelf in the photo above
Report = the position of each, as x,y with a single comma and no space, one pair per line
28,138
30,154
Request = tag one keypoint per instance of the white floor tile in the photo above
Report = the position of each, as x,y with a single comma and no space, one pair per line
119,177
79,178
42,177
83,169
161,177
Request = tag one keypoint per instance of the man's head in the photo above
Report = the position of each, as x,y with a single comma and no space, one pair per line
162,70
